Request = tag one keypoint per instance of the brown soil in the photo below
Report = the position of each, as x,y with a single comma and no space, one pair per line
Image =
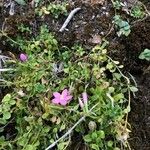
95,19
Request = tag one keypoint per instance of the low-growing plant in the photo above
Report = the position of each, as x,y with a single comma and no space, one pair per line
117,4
145,54
60,91
123,26
135,9
5,108
54,9
23,28
137,12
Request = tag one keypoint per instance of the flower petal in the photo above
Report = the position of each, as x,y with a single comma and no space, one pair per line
68,98
85,97
65,92
81,103
63,102
55,101
56,95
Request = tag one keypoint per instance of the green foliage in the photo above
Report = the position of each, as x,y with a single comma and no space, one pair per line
50,69
117,4
5,108
23,28
137,12
54,9
123,26
145,55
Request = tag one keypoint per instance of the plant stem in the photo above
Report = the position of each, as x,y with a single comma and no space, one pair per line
4,34
6,69
70,130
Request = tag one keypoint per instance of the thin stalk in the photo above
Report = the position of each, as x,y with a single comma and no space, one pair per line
6,69
4,34
70,130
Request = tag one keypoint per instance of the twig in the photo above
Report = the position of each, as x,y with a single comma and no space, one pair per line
147,11
2,70
72,13
139,20
110,30
4,34
70,130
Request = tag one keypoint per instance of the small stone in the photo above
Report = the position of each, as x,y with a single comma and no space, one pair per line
96,39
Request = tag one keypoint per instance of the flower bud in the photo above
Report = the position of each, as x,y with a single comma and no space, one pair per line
85,97
23,57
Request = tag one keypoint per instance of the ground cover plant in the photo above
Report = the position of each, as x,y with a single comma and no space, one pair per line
58,91
54,87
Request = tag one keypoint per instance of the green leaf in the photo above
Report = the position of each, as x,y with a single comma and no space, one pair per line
46,129
117,76
45,115
133,89
30,147
7,115
62,145
23,140
94,135
145,55
111,89
101,134
2,121
12,102
94,146
6,98
118,97
39,88
21,2
63,126
2,140
55,130
87,138
110,143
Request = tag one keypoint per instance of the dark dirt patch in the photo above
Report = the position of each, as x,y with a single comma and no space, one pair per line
127,51
97,20
140,105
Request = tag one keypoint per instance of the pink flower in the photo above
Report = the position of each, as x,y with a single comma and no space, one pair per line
23,57
62,98
84,100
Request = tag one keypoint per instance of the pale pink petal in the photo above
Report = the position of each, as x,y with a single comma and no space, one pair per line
65,92
85,97
63,102
81,103
55,101
68,98
56,95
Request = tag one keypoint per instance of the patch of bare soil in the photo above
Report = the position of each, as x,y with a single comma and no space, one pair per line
140,104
